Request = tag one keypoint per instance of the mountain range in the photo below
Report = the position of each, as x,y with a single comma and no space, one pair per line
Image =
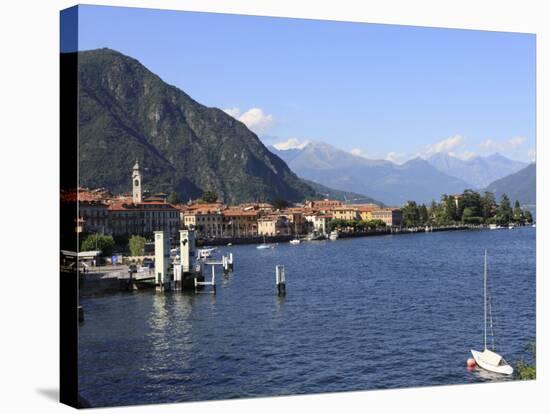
127,112
418,179
518,186
344,196
478,171
391,183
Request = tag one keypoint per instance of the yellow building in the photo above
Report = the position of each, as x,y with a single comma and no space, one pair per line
273,226
239,223
346,213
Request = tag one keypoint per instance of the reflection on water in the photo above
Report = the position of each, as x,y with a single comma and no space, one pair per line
368,313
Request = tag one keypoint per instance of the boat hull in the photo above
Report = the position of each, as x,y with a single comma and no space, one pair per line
504,369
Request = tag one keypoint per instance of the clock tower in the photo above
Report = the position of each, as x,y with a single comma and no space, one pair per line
136,184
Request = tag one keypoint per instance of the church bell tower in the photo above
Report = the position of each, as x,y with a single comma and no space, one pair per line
136,184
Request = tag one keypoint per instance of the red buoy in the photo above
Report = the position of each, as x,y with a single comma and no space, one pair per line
470,363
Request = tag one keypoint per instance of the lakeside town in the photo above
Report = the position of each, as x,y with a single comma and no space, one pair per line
330,222
103,215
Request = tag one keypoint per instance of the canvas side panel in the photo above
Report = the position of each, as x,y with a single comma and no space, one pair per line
68,276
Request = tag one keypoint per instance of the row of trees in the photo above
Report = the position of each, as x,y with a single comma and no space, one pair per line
356,225
106,243
468,208
208,196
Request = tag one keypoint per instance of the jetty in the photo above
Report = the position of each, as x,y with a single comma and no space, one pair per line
187,273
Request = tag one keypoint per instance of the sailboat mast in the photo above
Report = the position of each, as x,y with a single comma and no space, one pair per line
485,300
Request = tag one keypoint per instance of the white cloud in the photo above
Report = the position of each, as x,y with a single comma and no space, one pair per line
234,112
359,152
291,143
445,146
532,154
255,118
508,144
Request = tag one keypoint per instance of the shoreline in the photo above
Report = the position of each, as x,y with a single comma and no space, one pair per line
342,235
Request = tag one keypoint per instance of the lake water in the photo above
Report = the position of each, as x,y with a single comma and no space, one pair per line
364,313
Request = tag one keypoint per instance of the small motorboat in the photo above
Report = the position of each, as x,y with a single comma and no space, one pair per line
295,241
205,253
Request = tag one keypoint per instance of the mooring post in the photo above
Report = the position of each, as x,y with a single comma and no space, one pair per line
162,261
214,278
280,279
130,278
80,314
225,264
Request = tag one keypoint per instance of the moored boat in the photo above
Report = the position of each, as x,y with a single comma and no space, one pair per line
488,359
206,252
264,245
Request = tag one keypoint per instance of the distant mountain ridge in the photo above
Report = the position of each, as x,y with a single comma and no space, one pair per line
477,171
383,180
344,196
521,186
126,113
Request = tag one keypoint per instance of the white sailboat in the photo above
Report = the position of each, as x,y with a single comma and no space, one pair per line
263,245
295,240
489,360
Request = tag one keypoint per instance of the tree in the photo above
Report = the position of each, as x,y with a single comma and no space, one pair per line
411,214
469,199
440,215
173,198
488,206
518,215
449,205
280,204
136,244
525,370
432,212
98,242
338,224
377,223
209,196
468,216
504,211
423,215
528,216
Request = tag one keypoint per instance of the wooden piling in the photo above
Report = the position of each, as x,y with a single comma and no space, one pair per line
280,279
80,314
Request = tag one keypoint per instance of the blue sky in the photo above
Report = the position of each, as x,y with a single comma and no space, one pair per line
383,91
